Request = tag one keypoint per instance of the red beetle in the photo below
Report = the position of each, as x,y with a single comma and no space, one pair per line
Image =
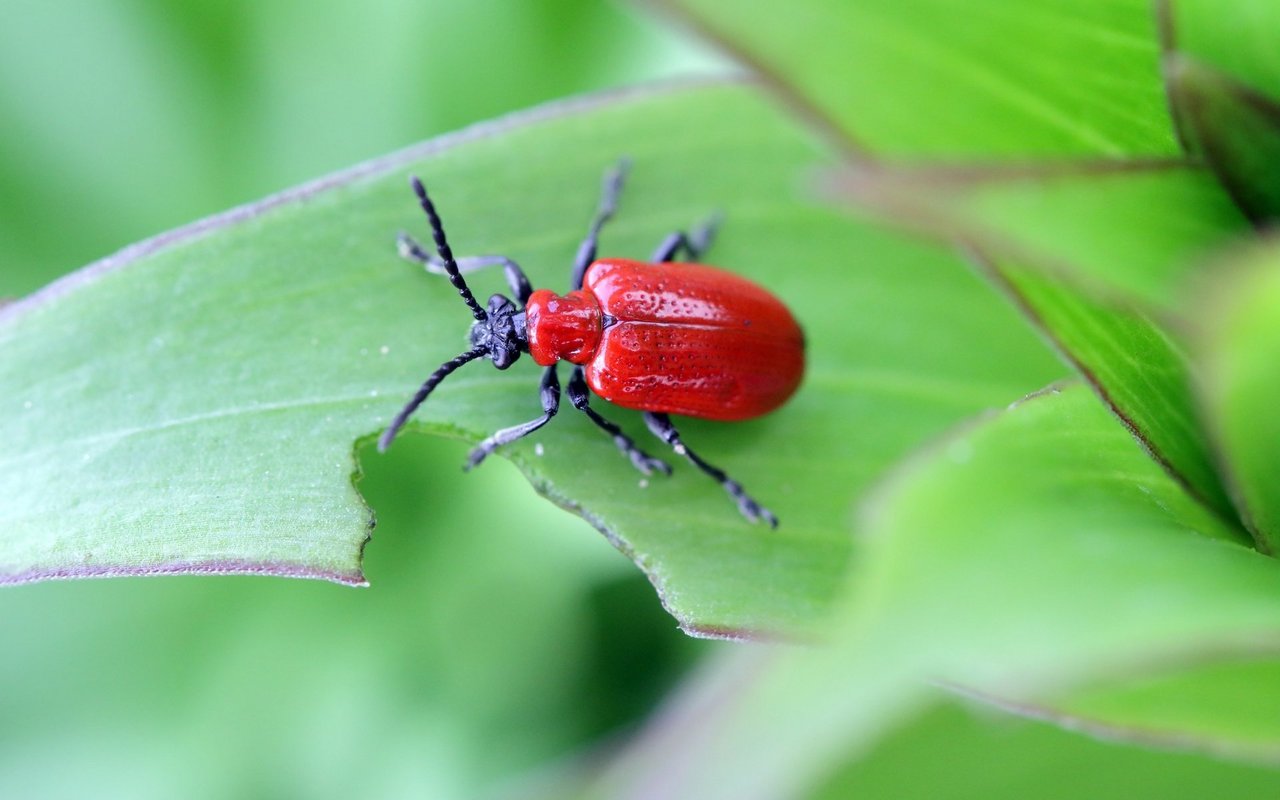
660,337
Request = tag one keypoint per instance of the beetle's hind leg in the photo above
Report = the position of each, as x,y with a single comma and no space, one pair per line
693,244
665,430
580,396
550,405
516,280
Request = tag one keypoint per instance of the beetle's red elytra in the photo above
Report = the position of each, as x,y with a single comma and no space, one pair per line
658,336
682,339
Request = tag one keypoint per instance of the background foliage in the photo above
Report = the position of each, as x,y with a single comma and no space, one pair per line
1038,560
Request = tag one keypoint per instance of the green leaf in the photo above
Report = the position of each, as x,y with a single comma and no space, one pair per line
191,404
1223,707
1223,74
1138,368
1233,36
934,78
1134,231
1074,243
1098,256
1027,553
1235,128
973,753
1125,571
1238,344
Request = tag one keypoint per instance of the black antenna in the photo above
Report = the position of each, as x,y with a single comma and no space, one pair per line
446,254
440,374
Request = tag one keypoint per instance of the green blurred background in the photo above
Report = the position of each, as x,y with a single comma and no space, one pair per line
500,635
503,642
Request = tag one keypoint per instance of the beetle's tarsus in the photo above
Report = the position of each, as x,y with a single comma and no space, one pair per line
640,459
662,427
478,454
748,506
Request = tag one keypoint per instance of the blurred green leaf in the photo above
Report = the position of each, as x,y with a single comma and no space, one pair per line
1121,560
1233,36
1135,230
1097,257
240,99
1138,368
1024,554
973,754
1068,241
427,685
191,404
1235,128
1223,74
939,79
1239,346
1222,707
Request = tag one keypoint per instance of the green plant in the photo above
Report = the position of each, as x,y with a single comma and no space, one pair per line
940,183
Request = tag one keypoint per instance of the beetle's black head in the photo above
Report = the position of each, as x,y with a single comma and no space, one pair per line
501,334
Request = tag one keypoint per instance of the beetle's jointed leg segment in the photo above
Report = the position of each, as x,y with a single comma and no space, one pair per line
694,244
516,280
580,396
550,405
664,429
609,193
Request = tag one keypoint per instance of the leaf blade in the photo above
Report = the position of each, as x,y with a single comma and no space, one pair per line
1031,551
1021,81
233,368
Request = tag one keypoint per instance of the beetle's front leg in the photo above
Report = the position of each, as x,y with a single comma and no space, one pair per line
516,280
580,396
664,429
550,405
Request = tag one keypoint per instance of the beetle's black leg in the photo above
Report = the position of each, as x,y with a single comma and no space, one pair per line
694,244
550,405
580,396
663,428
520,288
613,180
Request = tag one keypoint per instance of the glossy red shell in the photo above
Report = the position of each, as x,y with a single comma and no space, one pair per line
566,327
676,338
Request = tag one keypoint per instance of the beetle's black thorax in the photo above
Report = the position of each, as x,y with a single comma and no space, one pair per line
502,332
